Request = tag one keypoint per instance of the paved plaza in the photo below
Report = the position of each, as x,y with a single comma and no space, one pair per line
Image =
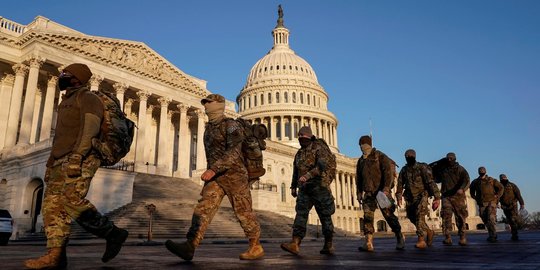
223,254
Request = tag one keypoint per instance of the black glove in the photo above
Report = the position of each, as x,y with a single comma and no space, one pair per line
294,193
73,165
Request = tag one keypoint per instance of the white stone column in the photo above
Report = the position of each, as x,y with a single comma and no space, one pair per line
151,135
141,132
273,128
120,89
128,107
46,122
282,127
201,155
95,81
6,85
35,117
15,105
319,129
339,190
183,142
29,99
164,127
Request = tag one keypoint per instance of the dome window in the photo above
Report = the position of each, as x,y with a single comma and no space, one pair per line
277,67
255,101
301,98
262,99
308,100
269,98
284,67
294,97
271,67
277,97
286,97
290,67
296,68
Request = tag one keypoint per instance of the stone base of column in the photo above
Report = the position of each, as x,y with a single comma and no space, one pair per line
181,174
164,170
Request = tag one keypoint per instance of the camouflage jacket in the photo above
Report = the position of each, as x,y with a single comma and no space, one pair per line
486,189
312,161
223,146
375,173
511,195
417,181
453,178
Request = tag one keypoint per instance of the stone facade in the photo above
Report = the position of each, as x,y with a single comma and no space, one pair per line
282,91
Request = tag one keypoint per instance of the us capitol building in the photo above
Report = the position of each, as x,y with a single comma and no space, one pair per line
281,92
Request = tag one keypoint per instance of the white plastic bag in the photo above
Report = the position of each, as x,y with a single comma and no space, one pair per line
383,200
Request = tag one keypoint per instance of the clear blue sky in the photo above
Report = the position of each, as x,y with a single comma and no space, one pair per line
436,76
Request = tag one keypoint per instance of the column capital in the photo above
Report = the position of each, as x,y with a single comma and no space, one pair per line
183,108
143,95
52,81
164,101
95,80
120,87
61,68
35,61
20,69
8,79
129,101
200,113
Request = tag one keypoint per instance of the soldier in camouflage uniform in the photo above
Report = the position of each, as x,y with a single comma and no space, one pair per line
70,168
227,175
487,191
455,181
309,177
376,172
416,183
509,200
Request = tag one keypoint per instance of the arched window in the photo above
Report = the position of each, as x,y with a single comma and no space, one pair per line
262,99
301,98
314,103
277,97
249,102
269,98
286,97
294,97
255,101
283,192
308,100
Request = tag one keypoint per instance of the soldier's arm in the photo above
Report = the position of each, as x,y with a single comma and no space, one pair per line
499,187
233,152
430,185
472,189
359,179
387,172
294,181
399,190
320,165
465,180
517,193
90,119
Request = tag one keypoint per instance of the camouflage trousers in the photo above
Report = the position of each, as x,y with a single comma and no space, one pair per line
207,207
65,200
512,217
488,213
454,205
417,209
322,199
369,204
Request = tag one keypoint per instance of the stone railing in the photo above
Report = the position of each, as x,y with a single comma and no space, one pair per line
11,27
264,186
122,165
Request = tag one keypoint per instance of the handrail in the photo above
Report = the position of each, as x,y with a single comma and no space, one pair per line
9,26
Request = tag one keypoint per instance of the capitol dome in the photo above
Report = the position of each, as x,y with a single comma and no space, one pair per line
282,92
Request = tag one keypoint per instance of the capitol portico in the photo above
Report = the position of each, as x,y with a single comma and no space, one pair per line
281,91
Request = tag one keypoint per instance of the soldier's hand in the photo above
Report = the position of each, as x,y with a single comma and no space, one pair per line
208,175
294,193
303,179
460,191
398,201
435,204
521,207
73,165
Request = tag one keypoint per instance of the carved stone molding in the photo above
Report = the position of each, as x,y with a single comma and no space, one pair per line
95,80
120,87
52,81
8,79
20,69
143,95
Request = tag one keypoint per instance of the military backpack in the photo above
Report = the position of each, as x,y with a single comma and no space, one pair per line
116,133
329,174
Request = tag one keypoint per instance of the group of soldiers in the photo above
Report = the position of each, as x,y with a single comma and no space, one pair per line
73,162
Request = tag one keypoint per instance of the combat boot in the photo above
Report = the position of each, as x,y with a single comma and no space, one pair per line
421,243
292,247
515,236
430,234
447,240
115,239
255,250
462,240
492,239
400,245
54,259
328,247
184,250
368,244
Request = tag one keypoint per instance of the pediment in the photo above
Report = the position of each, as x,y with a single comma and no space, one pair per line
133,56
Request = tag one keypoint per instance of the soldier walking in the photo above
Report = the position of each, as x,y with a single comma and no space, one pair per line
511,196
70,168
375,173
455,181
314,170
487,191
416,183
227,175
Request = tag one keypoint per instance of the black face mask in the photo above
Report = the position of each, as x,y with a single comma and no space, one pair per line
64,83
482,174
410,160
304,142
504,181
